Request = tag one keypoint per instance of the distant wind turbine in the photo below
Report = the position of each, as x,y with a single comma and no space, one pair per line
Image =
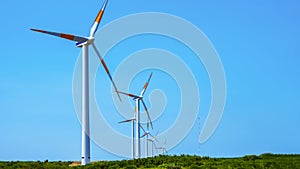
84,43
163,148
152,140
146,135
132,141
137,110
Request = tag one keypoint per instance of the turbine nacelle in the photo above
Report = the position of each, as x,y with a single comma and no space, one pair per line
138,98
89,41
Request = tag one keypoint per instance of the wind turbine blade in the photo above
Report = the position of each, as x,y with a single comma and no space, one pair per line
146,85
106,69
147,125
125,121
150,140
145,134
98,20
128,94
143,128
63,35
154,137
147,113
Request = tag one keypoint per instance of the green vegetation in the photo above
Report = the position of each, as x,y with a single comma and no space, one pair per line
174,162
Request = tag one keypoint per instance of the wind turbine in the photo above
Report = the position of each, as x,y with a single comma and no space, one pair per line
152,140
146,134
163,148
84,43
132,148
137,110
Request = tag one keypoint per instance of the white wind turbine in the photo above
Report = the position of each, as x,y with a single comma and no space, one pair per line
152,140
146,134
132,141
163,148
84,43
137,117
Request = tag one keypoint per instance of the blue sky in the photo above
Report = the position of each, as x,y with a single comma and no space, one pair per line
257,42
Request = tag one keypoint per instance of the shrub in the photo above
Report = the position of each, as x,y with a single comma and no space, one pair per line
194,166
130,167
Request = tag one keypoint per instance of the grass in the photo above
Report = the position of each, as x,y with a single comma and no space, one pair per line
263,161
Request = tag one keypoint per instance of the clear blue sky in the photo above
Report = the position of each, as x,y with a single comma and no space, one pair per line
257,41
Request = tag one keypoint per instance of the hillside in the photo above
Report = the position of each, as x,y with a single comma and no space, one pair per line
175,162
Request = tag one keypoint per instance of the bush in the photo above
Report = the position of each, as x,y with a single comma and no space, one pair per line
194,166
115,166
173,167
130,167
250,157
